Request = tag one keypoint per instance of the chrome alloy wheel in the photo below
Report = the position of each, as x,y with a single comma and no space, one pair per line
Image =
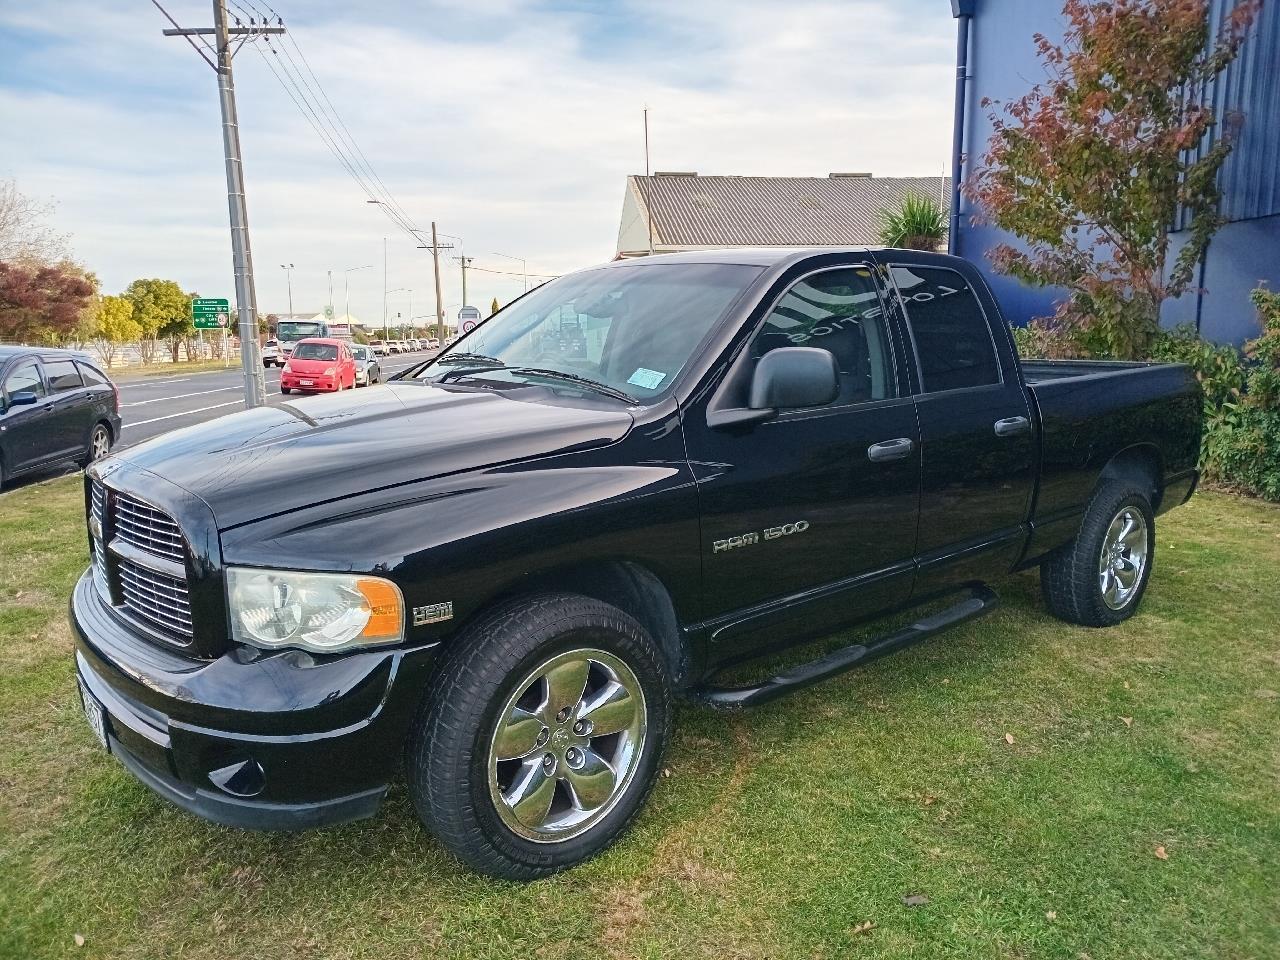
99,443
566,745
1124,558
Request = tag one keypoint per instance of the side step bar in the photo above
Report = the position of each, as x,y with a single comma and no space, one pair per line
976,601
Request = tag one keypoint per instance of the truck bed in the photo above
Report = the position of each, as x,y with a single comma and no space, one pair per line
1044,371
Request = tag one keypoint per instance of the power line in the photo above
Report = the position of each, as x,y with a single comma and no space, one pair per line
328,123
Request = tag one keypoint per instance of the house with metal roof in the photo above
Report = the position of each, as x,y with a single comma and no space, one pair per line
670,212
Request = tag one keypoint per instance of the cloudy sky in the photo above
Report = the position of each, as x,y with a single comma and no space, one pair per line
512,123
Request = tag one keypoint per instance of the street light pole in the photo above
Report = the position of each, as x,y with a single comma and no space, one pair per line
524,266
466,262
288,273
346,289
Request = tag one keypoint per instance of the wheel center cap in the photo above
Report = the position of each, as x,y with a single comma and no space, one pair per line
561,738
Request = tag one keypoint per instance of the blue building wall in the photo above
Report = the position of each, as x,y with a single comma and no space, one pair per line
1245,253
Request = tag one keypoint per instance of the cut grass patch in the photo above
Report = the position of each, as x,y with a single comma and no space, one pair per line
778,833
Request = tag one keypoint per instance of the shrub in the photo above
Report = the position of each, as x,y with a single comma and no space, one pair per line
917,223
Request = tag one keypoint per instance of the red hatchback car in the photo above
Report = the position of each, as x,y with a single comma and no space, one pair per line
319,364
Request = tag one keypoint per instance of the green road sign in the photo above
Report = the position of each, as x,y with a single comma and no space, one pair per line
210,314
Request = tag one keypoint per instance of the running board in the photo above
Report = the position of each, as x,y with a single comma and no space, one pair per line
977,601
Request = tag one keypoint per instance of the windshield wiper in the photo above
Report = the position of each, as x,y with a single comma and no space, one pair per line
577,378
452,358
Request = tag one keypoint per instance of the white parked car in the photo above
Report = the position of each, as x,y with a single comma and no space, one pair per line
379,348
271,354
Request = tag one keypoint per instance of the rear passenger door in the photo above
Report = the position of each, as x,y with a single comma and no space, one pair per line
72,414
976,426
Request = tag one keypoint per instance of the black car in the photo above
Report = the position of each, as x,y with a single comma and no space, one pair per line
55,406
549,539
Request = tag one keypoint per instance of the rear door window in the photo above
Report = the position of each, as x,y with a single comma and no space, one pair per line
951,333
63,376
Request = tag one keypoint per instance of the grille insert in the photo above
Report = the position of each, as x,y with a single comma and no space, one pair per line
148,528
156,598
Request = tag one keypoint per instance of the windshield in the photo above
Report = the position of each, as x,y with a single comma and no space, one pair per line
360,353
632,329
315,351
296,331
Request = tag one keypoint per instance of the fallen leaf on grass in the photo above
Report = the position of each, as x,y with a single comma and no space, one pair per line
864,927
1128,721
79,939
1161,853
666,771
1008,738
1126,684
915,900
1051,915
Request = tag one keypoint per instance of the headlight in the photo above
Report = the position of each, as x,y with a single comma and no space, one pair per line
332,371
322,612
285,368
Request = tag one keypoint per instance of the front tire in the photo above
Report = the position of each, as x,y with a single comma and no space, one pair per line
540,737
1099,579
286,390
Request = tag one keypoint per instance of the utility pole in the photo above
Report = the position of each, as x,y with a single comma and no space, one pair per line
255,387
435,257
384,289
466,262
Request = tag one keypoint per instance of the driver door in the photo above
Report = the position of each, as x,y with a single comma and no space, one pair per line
28,441
809,519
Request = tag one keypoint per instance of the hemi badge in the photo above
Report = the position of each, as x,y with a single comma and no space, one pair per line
432,613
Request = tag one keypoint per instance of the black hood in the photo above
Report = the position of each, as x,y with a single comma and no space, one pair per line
271,460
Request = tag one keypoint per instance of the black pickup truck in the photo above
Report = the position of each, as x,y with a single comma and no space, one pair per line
496,572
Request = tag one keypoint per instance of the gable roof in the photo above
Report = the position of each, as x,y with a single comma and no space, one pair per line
689,210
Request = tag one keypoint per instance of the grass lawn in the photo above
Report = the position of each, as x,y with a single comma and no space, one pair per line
123,374
1050,791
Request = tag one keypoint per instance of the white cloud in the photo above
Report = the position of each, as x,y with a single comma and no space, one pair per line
514,127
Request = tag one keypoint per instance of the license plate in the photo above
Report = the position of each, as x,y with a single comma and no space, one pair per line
95,714
307,383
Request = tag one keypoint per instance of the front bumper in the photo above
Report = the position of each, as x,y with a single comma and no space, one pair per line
318,384
273,741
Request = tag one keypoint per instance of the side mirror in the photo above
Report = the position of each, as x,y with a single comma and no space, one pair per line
23,398
794,377
784,378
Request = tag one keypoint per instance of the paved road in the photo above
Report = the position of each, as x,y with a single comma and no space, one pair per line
150,406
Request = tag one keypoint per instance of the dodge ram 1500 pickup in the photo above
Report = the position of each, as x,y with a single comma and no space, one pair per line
494,574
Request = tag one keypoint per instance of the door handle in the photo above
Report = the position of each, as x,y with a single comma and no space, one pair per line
887,450
1012,426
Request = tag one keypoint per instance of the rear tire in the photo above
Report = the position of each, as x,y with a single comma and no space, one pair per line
1099,579
539,738
99,444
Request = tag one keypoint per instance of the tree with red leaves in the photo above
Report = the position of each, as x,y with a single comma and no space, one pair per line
42,302
1090,169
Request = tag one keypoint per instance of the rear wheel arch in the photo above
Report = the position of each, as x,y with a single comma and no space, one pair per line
1140,464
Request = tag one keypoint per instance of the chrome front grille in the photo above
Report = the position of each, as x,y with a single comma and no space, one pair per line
99,503
155,597
100,568
139,563
148,528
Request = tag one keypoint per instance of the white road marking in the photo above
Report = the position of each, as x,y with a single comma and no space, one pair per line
149,381
184,413
179,396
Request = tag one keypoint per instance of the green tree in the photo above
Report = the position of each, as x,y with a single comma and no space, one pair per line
494,307
114,327
1091,168
160,308
917,223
